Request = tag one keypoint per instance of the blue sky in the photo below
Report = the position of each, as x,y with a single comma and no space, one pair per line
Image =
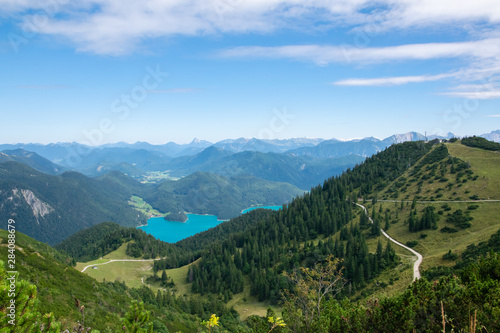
101,71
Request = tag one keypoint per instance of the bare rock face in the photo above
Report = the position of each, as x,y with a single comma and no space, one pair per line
40,209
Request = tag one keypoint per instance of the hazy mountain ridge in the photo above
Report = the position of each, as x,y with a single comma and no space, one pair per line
69,154
32,159
492,136
303,162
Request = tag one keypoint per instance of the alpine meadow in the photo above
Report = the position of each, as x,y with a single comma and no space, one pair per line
249,166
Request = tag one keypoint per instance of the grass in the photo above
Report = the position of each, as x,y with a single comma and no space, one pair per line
247,305
486,221
129,272
119,253
143,207
485,164
436,244
179,276
483,182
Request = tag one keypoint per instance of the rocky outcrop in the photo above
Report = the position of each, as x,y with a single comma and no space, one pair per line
39,208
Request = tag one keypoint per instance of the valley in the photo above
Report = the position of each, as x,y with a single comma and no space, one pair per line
406,216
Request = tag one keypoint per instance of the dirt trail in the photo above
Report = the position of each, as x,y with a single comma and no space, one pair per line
416,265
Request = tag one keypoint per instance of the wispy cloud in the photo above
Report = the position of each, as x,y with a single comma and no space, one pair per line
488,94
110,27
391,81
324,54
494,115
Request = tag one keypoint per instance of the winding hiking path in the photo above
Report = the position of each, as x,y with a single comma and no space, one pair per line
115,260
445,201
416,265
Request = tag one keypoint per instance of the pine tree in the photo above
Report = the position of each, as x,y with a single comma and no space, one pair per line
19,309
137,320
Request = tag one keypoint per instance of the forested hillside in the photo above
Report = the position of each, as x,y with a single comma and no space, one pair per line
50,208
226,197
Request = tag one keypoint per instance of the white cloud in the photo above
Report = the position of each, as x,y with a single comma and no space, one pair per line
118,27
487,94
390,81
494,115
323,54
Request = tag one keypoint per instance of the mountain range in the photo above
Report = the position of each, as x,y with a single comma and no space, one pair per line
302,162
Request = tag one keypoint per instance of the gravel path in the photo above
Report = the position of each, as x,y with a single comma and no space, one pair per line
416,265
115,260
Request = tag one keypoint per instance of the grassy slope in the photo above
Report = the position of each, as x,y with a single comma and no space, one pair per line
486,218
485,164
123,271
143,207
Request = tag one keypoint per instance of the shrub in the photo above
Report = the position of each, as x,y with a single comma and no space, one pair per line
450,256
448,230
460,219
411,244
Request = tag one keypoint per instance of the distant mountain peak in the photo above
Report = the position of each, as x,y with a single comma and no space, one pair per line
492,136
197,141
371,138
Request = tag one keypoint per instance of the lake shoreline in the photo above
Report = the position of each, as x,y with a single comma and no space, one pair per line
174,231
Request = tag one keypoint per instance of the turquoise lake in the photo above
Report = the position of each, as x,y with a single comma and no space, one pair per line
265,207
172,231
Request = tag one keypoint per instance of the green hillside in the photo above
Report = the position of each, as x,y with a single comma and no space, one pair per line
226,197
313,225
453,182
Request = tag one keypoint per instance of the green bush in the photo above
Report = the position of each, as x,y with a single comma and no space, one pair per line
412,243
